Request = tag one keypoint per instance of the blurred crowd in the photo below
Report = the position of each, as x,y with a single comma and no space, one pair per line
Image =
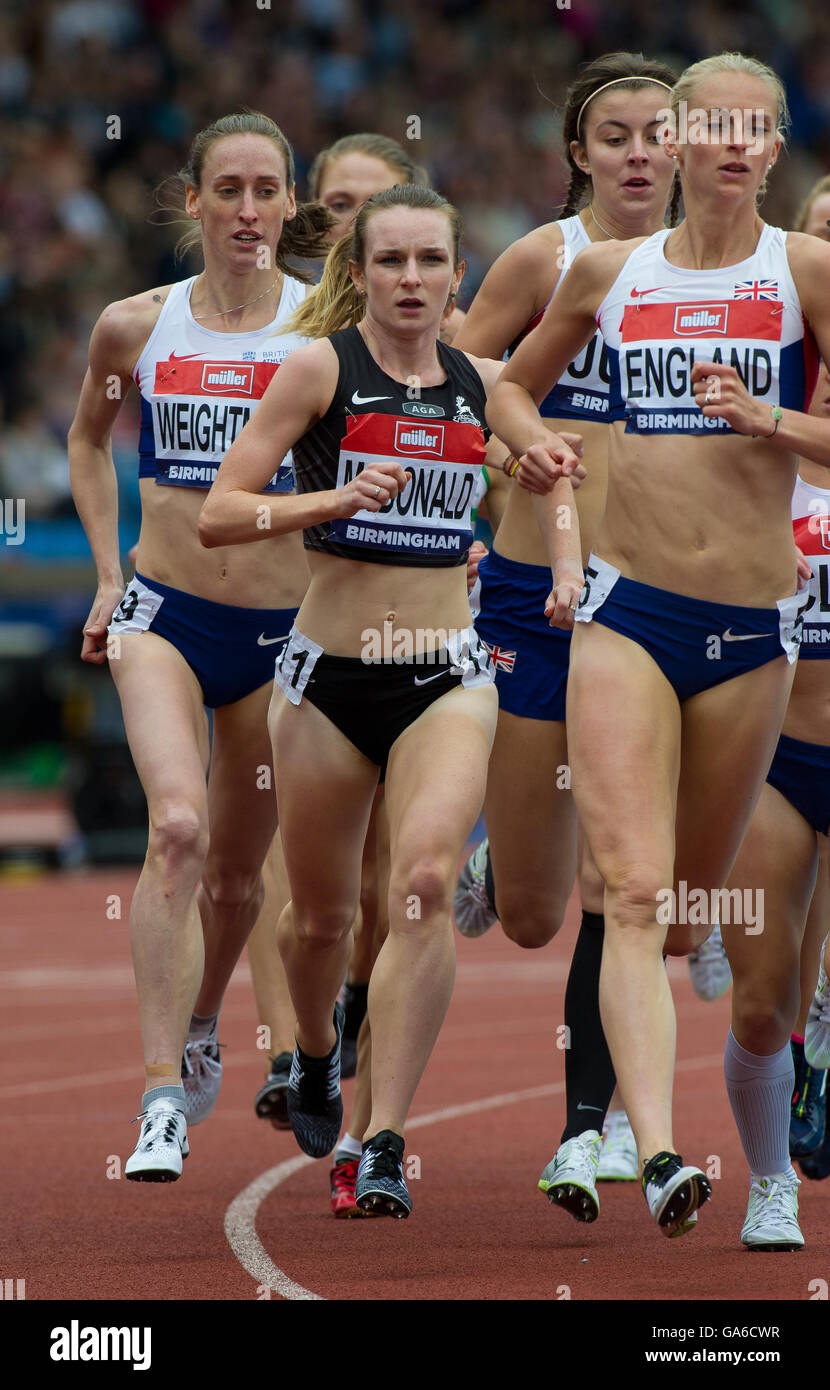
99,99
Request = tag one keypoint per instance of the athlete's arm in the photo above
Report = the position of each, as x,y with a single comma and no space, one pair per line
559,523
113,350
498,455
516,287
808,435
540,360
237,511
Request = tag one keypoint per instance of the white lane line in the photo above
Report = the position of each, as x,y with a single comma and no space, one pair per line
240,1217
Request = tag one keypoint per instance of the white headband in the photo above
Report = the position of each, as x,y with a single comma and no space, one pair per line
635,77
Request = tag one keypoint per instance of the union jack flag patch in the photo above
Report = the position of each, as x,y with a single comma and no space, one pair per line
502,659
756,289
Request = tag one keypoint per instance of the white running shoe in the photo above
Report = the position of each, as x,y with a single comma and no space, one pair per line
674,1193
162,1144
569,1180
201,1076
709,968
472,909
772,1213
618,1160
817,1032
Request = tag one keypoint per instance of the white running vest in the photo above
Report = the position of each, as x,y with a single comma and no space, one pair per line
199,388
583,392
658,319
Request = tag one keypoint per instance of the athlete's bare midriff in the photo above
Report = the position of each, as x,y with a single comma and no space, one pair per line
709,518
519,537
350,600
271,573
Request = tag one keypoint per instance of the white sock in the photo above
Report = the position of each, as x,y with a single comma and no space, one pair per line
349,1147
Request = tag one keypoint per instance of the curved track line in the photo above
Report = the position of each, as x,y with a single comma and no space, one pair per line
240,1217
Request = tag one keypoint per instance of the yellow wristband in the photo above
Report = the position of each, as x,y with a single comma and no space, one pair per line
510,460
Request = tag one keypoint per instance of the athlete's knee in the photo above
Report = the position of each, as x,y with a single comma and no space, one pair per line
764,1012
178,836
422,889
231,890
529,920
633,895
321,925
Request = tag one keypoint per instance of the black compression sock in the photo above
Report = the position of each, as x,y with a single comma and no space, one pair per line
589,1071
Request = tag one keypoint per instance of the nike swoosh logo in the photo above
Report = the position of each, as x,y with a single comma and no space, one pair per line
730,636
598,1108
263,641
187,357
422,680
638,294
357,399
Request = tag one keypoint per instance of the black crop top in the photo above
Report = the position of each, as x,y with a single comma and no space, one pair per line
438,435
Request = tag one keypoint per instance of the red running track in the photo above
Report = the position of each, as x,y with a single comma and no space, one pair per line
70,1082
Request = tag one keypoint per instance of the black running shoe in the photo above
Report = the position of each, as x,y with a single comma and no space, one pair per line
272,1100
380,1189
315,1108
807,1108
817,1166
674,1193
355,998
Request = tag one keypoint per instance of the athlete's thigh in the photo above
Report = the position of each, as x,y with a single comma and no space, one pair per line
623,723
437,774
325,790
770,886
164,719
729,737
531,819
242,803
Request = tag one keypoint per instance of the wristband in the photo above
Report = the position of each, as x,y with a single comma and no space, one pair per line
777,415
511,465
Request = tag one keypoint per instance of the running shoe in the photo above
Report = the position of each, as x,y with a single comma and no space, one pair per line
674,1193
472,907
817,1032
618,1160
772,1214
315,1109
343,1179
354,999
380,1189
807,1108
817,1165
162,1144
709,968
272,1099
201,1076
569,1180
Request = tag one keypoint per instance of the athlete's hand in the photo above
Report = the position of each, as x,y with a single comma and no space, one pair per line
544,464
371,489
476,552
720,394
564,596
107,599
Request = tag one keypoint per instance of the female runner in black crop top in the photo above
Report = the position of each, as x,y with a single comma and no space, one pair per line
384,670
